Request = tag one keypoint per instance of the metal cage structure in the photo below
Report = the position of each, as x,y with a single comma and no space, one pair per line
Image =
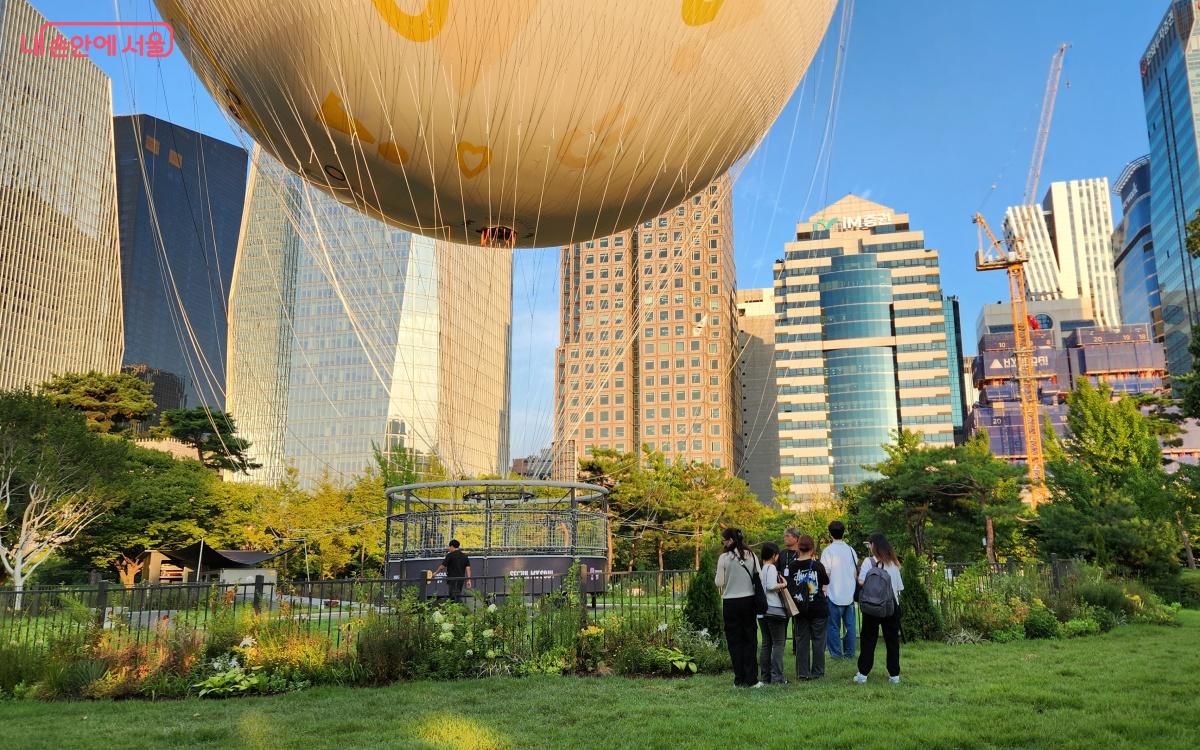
514,528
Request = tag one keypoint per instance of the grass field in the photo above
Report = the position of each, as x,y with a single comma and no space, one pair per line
1135,686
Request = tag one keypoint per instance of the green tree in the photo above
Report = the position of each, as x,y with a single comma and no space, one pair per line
159,502
702,609
52,474
1110,496
214,436
110,401
781,490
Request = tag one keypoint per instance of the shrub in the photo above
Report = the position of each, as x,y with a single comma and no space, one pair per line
710,656
1147,607
393,647
553,662
19,665
1104,595
1189,589
1080,626
919,619
985,614
1009,634
702,610
1041,622
962,637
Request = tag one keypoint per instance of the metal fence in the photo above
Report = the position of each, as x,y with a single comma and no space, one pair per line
331,610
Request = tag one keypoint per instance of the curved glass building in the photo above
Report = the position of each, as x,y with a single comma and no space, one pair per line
862,346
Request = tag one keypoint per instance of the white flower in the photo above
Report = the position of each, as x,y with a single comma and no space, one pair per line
447,627
438,616
446,637
488,633
491,608
247,642
704,631
470,652
662,627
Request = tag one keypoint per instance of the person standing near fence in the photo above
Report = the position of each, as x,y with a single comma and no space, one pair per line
458,570
841,565
736,568
807,581
774,623
879,599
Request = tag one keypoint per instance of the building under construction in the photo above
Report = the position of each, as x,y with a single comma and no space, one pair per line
1125,358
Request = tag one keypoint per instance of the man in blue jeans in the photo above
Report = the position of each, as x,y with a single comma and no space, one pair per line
842,565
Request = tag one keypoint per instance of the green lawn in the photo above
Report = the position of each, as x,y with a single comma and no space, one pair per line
1136,686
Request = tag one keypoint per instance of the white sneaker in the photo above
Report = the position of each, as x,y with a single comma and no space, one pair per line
758,684
860,678
894,680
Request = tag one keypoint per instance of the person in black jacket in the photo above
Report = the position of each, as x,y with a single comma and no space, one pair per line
807,579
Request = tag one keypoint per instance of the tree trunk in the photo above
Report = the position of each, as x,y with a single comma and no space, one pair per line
696,556
632,555
200,451
18,588
990,536
660,563
1187,542
127,571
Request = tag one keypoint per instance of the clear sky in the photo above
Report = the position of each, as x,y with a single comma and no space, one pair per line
936,117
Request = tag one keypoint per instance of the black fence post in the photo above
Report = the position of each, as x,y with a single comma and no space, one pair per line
101,603
258,593
583,579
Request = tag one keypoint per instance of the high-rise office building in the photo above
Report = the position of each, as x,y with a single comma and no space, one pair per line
648,339
179,201
759,390
347,335
1057,318
60,272
954,352
1170,86
1133,248
1069,242
861,347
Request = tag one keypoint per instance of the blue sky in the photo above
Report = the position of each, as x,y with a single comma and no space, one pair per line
936,117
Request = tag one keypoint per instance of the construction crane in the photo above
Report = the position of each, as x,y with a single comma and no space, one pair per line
1011,256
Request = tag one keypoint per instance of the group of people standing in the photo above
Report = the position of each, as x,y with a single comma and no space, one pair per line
816,595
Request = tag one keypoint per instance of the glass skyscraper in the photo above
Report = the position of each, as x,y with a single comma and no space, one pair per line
1133,248
862,345
347,335
1170,71
60,273
179,201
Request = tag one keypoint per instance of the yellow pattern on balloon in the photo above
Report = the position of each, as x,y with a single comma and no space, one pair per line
700,12
468,153
417,27
333,114
393,153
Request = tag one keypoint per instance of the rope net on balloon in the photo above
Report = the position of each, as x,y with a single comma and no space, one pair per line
401,155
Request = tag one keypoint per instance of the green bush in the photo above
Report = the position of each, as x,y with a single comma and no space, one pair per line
919,619
1106,595
1009,634
1041,622
19,665
392,647
985,614
702,610
1146,606
1189,589
1080,626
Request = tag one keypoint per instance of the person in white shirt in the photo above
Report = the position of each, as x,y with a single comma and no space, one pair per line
841,564
774,623
736,568
882,556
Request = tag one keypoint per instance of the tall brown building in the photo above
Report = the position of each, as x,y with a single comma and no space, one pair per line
648,339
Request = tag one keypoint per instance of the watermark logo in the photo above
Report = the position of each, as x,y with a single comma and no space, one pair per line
145,38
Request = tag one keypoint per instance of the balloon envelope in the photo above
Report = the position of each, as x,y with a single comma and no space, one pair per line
526,122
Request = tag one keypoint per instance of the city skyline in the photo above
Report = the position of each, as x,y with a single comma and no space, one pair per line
994,130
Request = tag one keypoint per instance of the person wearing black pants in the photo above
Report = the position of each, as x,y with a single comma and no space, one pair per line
882,556
891,641
736,569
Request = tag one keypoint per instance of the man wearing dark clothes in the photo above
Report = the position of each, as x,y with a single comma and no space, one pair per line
458,570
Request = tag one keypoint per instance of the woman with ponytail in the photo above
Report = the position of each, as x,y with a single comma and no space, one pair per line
737,569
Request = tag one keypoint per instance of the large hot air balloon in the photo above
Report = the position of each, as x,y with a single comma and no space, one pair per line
515,122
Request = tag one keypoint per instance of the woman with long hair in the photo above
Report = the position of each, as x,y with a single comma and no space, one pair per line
736,568
879,578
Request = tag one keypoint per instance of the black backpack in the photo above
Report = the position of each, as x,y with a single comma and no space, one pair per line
810,597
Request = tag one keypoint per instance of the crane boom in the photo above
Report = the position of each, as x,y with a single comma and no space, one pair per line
1043,131
1010,256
